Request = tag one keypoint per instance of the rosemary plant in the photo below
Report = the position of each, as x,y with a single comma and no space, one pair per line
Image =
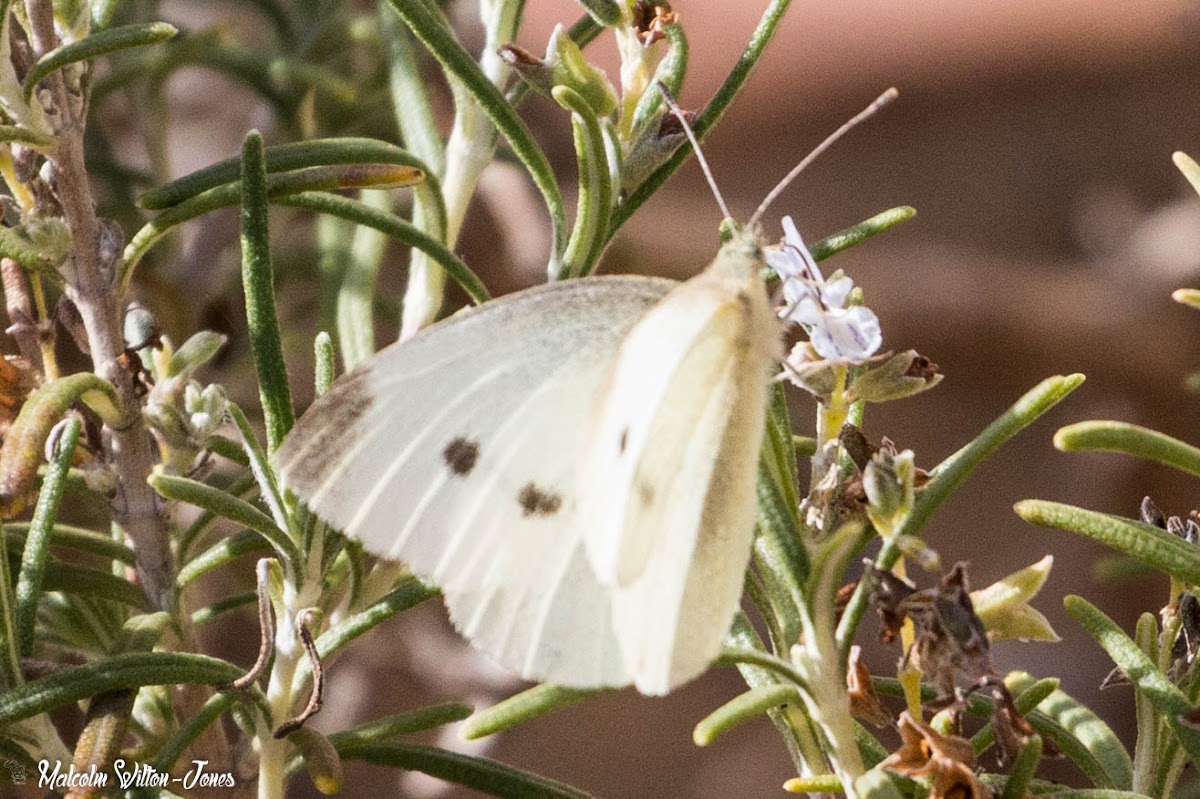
98,599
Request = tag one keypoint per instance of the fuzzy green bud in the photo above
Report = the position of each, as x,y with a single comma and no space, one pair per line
564,65
888,482
199,349
901,375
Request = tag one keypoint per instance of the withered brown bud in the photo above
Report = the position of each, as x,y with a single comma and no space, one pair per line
922,368
949,638
887,595
1188,641
1191,718
670,126
17,382
842,600
856,445
518,57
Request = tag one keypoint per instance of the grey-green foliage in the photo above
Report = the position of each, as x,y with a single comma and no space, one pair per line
353,111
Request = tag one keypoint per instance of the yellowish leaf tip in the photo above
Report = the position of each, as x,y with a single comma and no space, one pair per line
1187,297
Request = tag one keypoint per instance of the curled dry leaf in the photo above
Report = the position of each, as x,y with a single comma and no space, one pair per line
17,382
864,702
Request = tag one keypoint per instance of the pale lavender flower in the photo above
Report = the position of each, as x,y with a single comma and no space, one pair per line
836,332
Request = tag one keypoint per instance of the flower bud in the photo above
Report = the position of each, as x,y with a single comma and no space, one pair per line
914,548
49,237
888,482
901,375
140,327
564,65
199,349
808,370
206,408
652,145
533,70
571,69
322,761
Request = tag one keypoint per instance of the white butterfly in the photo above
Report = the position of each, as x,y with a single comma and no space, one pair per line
573,465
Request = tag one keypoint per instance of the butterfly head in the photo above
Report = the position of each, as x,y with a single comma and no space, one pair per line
742,252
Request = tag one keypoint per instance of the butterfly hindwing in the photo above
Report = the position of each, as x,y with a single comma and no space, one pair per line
457,452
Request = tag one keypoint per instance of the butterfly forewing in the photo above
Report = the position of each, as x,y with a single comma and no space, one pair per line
670,468
457,452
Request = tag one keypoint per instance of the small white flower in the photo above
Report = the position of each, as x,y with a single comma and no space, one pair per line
836,332
206,407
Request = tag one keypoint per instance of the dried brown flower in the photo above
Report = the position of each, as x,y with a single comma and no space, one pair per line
650,21
949,637
949,759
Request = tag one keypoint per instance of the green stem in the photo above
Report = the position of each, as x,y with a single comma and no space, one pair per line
1146,542
10,659
325,369
356,297
410,100
1023,769
394,226
710,116
1146,746
307,155
425,24
1131,440
743,708
527,705
595,187
94,46
258,282
37,542
487,776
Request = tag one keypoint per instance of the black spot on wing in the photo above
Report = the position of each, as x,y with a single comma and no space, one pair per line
536,501
461,455
645,493
624,440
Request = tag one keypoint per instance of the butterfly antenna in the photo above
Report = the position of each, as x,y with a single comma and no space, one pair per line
866,113
691,134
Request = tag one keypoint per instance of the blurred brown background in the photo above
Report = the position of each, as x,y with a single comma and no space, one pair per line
1034,139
